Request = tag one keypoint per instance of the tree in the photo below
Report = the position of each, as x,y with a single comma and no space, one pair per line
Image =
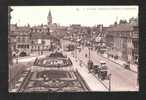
123,22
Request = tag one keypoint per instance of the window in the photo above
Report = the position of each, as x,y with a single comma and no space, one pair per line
18,39
38,30
22,46
33,30
26,39
23,39
32,42
28,46
14,47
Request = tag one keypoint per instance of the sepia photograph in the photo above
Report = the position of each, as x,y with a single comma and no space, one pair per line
73,49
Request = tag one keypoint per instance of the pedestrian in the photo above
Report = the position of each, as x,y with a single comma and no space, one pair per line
129,65
85,55
80,63
17,59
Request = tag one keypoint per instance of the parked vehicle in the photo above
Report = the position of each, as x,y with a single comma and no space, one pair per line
100,70
69,48
127,65
95,69
86,55
90,65
103,71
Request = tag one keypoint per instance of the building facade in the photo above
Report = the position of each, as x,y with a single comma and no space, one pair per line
26,40
20,40
42,41
122,39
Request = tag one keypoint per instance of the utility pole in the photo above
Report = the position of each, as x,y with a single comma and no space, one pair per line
109,82
89,52
89,32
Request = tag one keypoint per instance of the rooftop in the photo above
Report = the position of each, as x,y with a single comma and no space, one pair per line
121,27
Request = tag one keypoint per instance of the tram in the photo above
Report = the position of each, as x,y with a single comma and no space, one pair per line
100,70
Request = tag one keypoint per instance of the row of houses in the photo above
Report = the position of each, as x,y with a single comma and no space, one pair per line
123,40
27,40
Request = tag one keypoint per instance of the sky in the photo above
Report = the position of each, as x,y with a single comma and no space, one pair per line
66,15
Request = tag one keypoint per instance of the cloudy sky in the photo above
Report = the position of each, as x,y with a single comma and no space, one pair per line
66,15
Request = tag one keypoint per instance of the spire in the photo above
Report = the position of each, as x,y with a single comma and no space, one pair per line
49,18
49,14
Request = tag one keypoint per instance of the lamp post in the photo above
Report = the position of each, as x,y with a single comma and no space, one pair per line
89,32
109,76
17,59
38,50
89,51
76,52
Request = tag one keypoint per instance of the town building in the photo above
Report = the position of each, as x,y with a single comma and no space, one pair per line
122,39
41,40
20,40
26,40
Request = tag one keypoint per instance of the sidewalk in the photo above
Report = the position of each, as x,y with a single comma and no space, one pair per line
91,81
133,67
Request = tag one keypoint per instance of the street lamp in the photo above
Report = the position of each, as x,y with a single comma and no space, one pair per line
89,51
109,77
90,35
17,59
38,50
76,53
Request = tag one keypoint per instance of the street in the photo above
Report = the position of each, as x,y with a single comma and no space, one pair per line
121,79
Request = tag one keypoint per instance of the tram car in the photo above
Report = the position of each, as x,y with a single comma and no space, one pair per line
100,70
90,65
127,65
70,47
103,71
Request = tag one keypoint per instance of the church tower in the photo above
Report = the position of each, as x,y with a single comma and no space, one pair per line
49,18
